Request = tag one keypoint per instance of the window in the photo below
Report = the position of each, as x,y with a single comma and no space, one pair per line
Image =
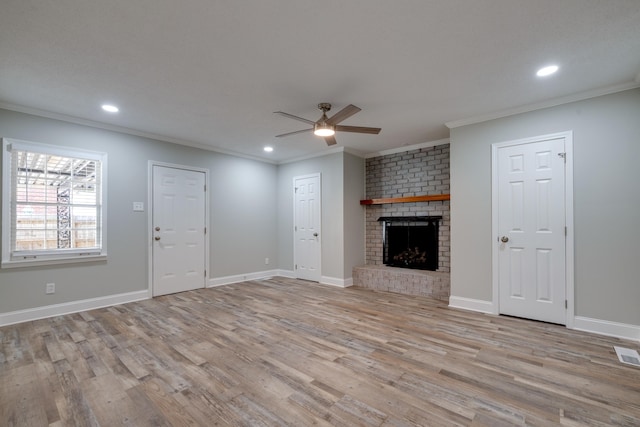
53,207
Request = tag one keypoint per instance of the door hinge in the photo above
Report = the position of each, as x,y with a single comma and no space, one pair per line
565,231
205,230
563,156
205,188
205,273
296,267
295,228
566,304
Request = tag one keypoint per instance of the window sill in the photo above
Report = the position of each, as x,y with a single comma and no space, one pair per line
52,261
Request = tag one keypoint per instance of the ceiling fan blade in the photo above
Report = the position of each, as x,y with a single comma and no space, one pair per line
293,133
291,116
343,114
358,129
331,140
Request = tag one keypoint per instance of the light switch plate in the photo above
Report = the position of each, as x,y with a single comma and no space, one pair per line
138,206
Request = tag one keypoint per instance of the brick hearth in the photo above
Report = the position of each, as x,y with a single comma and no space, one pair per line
432,284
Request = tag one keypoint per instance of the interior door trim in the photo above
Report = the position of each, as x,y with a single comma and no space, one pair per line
149,234
569,243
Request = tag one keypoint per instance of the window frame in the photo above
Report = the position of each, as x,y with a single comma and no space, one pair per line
51,256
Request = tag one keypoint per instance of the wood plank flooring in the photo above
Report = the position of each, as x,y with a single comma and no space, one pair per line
283,352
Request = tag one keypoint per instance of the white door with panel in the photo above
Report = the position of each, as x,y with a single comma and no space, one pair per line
178,219
531,234
307,208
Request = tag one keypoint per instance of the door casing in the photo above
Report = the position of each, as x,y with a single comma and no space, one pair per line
150,234
569,243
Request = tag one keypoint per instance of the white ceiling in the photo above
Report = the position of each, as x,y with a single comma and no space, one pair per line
211,73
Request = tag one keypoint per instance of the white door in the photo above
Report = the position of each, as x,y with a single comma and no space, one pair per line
531,228
307,227
178,221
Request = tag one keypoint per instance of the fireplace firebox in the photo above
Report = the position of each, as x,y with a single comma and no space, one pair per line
410,241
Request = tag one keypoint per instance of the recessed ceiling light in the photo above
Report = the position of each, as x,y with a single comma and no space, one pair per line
268,149
547,71
110,108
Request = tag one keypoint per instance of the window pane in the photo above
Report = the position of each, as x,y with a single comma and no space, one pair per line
21,192
85,225
84,195
84,217
85,238
30,240
27,216
52,239
57,202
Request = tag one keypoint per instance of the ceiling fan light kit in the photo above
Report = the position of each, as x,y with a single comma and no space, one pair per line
326,127
323,129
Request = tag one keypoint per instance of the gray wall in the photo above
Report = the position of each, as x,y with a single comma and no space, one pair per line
243,214
354,213
342,222
606,141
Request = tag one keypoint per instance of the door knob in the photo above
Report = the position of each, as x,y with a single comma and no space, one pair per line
157,228
315,234
504,239
157,237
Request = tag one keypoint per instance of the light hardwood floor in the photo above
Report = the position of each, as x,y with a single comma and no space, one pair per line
288,352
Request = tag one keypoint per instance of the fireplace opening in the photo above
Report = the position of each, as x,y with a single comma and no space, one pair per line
410,242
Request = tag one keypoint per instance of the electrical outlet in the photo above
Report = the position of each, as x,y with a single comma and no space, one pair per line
50,288
266,261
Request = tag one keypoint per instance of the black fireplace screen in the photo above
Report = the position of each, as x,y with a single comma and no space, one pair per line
410,242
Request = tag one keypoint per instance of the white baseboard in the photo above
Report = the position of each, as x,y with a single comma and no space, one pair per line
286,273
227,280
237,278
605,327
334,281
586,324
472,304
29,314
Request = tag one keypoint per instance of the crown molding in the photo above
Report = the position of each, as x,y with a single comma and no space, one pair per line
314,155
125,130
545,104
407,148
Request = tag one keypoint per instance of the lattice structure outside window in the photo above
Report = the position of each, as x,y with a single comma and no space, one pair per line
54,199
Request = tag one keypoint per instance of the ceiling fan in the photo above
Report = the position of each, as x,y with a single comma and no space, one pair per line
326,127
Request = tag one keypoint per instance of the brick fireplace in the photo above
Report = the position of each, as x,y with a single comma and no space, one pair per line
419,172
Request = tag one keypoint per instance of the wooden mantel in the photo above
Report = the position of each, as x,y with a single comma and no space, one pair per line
433,198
